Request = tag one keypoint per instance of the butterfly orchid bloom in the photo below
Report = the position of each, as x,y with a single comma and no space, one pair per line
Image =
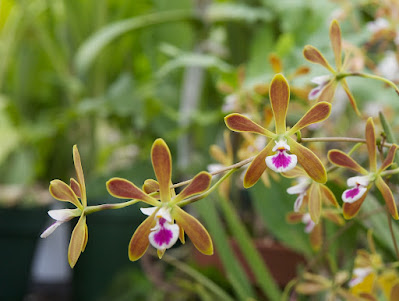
159,228
71,193
282,152
360,185
327,84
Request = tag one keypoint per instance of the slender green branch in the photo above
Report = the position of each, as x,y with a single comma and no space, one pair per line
339,139
376,77
389,172
92,209
395,244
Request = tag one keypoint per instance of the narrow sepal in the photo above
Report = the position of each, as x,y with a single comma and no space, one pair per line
336,43
279,99
194,229
328,196
181,236
162,164
151,186
328,92
257,166
341,159
124,189
160,253
309,288
370,142
389,158
294,217
79,173
62,192
139,242
314,203
240,123
313,55
86,238
316,237
351,98
319,112
351,209
295,173
333,216
200,183
388,196
77,243
309,161
75,187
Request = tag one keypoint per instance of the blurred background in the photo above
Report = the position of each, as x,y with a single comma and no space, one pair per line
112,76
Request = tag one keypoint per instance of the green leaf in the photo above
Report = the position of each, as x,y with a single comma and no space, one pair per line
272,204
219,12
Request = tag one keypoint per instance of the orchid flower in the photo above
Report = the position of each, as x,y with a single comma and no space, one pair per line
159,228
327,84
71,193
282,152
359,186
310,192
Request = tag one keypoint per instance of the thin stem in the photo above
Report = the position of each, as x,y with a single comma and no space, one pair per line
389,172
339,139
395,244
92,209
376,77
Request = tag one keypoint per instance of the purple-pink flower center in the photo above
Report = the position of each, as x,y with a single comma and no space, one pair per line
163,235
281,160
352,192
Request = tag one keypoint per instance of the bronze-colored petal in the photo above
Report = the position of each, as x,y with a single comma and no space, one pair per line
314,202
388,196
200,183
240,123
319,112
75,187
341,159
294,217
150,186
124,189
328,92
301,70
162,164
389,158
352,100
336,43
139,242
333,216
394,292
313,55
77,242
371,146
279,99
309,161
351,209
257,166
62,192
79,174
316,237
194,229
328,196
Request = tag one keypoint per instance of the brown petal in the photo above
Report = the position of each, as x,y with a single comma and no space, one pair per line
162,164
79,174
333,216
394,295
327,195
150,186
350,96
316,237
124,189
139,242
294,217
319,112
314,202
389,158
77,242
62,192
328,92
75,187
335,37
341,159
313,55
351,209
194,229
198,184
388,196
279,99
371,146
240,123
257,166
309,161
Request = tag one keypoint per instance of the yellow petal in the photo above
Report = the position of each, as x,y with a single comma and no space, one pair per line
139,242
62,192
162,164
279,99
335,37
77,243
388,196
313,55
79,174
240,123
314,202
319,112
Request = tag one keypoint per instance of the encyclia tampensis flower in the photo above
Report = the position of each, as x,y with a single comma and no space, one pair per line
71,193
360,185
282,152
159,228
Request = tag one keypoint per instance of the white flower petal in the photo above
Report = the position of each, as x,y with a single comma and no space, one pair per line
298,202
359,180
353,194
165,236
50,229
301,187
148,210
281,144
64,215
281,162
321,80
